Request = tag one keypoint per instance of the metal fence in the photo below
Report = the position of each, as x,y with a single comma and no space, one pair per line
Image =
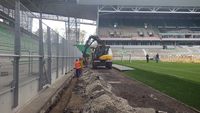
31,50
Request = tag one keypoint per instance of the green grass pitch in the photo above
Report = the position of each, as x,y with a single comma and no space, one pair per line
178,80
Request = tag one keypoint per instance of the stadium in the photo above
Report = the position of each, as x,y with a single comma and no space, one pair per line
142,30
38,62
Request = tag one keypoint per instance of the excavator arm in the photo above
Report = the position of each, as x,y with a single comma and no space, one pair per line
89,42
101,55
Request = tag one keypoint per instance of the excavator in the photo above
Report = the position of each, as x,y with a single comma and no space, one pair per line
101,54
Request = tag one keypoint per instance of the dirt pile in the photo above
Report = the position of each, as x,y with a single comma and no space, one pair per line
98,97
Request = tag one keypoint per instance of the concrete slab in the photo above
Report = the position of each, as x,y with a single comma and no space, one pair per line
114,82
122,68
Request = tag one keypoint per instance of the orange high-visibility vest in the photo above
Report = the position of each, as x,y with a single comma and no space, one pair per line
77,64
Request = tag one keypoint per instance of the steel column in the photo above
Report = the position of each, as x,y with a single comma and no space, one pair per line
97,22
49,55
29,63
63,54
66,48
57,55
68,40
17,52
41,53
77,38
72,47
76,30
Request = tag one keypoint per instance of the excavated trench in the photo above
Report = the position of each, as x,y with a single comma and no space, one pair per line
92,94
107,91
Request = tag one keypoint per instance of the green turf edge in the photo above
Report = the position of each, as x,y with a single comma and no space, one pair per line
185,91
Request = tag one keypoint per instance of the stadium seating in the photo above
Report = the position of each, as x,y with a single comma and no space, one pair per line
144,28
7,41
29,45
173,53
126,32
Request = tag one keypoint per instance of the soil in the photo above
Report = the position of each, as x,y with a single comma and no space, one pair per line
140,95
85,94
64,99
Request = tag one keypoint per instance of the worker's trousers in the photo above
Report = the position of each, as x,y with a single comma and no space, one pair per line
78,72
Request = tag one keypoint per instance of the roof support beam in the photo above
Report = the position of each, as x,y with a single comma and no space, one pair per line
136,9
62,19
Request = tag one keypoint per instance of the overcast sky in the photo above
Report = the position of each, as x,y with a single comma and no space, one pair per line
60,27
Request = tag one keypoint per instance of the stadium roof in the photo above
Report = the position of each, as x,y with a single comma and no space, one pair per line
180,3
87,9
68,8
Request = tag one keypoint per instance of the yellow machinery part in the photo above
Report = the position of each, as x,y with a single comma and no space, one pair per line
105,57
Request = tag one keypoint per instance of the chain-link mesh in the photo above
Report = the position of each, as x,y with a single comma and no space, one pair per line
57,53
7,35
29,34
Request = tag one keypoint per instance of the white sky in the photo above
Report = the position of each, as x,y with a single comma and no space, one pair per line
90,30
60,27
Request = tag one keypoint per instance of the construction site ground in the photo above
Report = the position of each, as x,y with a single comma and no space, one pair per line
110,91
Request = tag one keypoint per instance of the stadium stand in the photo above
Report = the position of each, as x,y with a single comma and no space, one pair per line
175,37
29,45
172,54
164,28
7,40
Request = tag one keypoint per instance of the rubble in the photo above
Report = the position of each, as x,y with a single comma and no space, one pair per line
100,99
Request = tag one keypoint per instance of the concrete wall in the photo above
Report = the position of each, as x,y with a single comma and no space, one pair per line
53,77
27,90
6,101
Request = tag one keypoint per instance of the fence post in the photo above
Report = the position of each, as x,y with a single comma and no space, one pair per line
97,21
29,63
63,54
17,52
67,53
68,40
41,53
57,55
32,61
77,40
66,48
49,55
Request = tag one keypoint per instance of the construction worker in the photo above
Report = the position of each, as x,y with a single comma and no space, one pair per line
81,69
147,58
157,58
77,66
